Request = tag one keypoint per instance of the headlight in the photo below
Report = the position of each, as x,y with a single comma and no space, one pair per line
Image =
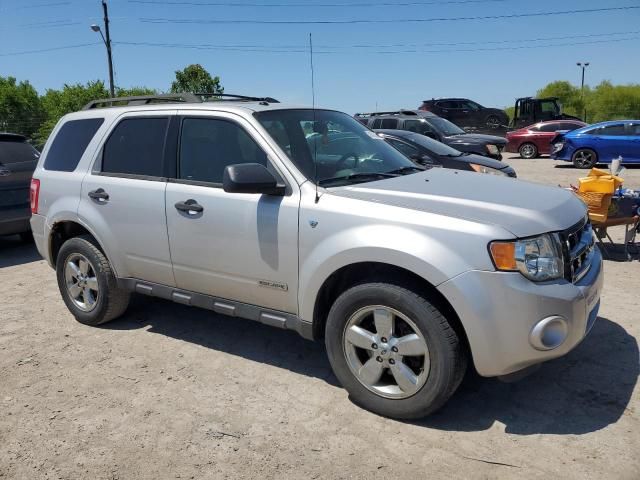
538,258
492,149
558,146
489,170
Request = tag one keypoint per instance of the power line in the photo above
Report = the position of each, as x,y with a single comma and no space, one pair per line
65,47
301,49
193,21
350,4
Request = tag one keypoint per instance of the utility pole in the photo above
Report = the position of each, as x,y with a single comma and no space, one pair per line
107,43
583,66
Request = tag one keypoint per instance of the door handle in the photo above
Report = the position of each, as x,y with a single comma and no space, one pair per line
99,195
190,206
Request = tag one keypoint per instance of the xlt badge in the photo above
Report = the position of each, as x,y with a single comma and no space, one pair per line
277,285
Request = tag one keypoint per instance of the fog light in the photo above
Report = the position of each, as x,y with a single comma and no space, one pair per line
549,333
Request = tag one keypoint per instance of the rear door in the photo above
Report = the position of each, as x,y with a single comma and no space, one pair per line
612,142
122,199
18,160
634,134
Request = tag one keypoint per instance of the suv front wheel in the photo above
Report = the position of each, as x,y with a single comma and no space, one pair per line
393,351
87,284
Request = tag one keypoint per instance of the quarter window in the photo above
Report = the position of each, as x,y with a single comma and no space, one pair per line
136,147
390,123
70,143
208,146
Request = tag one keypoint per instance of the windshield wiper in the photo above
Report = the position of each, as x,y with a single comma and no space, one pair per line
408,169
362,176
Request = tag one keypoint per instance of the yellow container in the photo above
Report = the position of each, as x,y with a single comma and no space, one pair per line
599,181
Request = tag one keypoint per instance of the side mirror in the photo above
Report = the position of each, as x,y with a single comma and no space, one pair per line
251,178
422,159
430,135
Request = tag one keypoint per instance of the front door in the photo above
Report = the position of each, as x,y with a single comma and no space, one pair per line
122,198
241,247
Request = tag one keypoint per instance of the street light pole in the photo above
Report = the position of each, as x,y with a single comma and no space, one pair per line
583,66
107,43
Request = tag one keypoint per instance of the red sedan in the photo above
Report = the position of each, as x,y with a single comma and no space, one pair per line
535,140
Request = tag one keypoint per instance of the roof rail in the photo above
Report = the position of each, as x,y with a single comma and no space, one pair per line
397,112
173,98
231,96
143,100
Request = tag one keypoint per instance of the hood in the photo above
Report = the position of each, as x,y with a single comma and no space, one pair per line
476,138
522,208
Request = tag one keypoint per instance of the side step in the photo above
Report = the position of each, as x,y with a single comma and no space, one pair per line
273,318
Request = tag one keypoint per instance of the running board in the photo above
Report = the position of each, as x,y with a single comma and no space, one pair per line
273,318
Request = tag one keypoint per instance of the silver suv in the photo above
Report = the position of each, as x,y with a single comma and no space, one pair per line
304,219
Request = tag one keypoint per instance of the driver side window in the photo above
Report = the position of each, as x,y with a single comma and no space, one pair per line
208,146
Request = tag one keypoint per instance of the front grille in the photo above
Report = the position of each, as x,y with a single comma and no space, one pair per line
578,248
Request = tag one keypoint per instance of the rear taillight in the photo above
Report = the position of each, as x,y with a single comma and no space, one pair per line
34,194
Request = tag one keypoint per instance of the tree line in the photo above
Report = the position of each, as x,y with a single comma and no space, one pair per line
603,102
24,111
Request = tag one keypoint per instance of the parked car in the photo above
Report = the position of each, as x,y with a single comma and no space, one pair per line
431,153
407,274
599,143
437,128
466,113
535,140
18,159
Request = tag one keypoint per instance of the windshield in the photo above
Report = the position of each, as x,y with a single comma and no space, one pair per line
434,146
445,126
332,147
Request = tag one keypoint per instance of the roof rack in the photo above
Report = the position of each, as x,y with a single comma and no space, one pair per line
173,98
230,96
397,112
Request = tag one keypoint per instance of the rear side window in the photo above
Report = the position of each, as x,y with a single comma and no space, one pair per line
376,123
70,143
136,147
390,123
17,152
550,127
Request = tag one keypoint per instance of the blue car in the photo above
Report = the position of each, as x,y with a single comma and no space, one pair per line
599,143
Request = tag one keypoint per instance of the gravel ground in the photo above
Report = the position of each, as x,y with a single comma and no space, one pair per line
175,392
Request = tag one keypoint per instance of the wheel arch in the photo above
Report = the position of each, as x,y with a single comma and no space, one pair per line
65,229
361,272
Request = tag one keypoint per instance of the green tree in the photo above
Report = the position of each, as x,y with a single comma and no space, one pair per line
613,102
196,79
135,91
71,98
20,107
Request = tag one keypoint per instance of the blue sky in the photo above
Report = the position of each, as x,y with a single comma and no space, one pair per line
494,61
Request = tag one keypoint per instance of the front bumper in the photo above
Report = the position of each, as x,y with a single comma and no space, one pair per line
500,310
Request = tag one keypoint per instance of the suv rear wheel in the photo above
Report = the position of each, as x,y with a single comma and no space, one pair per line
393,351
87,284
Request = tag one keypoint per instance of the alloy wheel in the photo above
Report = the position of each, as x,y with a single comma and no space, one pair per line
386,352
81,282
583,158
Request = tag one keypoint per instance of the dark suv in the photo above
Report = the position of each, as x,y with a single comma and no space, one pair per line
467,113
18,159
437,128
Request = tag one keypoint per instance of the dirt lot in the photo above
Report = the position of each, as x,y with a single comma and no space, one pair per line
175,392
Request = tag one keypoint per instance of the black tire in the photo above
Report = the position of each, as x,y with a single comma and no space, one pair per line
447,353
111,301
584,158
528,150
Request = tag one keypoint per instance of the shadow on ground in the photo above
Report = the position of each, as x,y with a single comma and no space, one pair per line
14,251
580,393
